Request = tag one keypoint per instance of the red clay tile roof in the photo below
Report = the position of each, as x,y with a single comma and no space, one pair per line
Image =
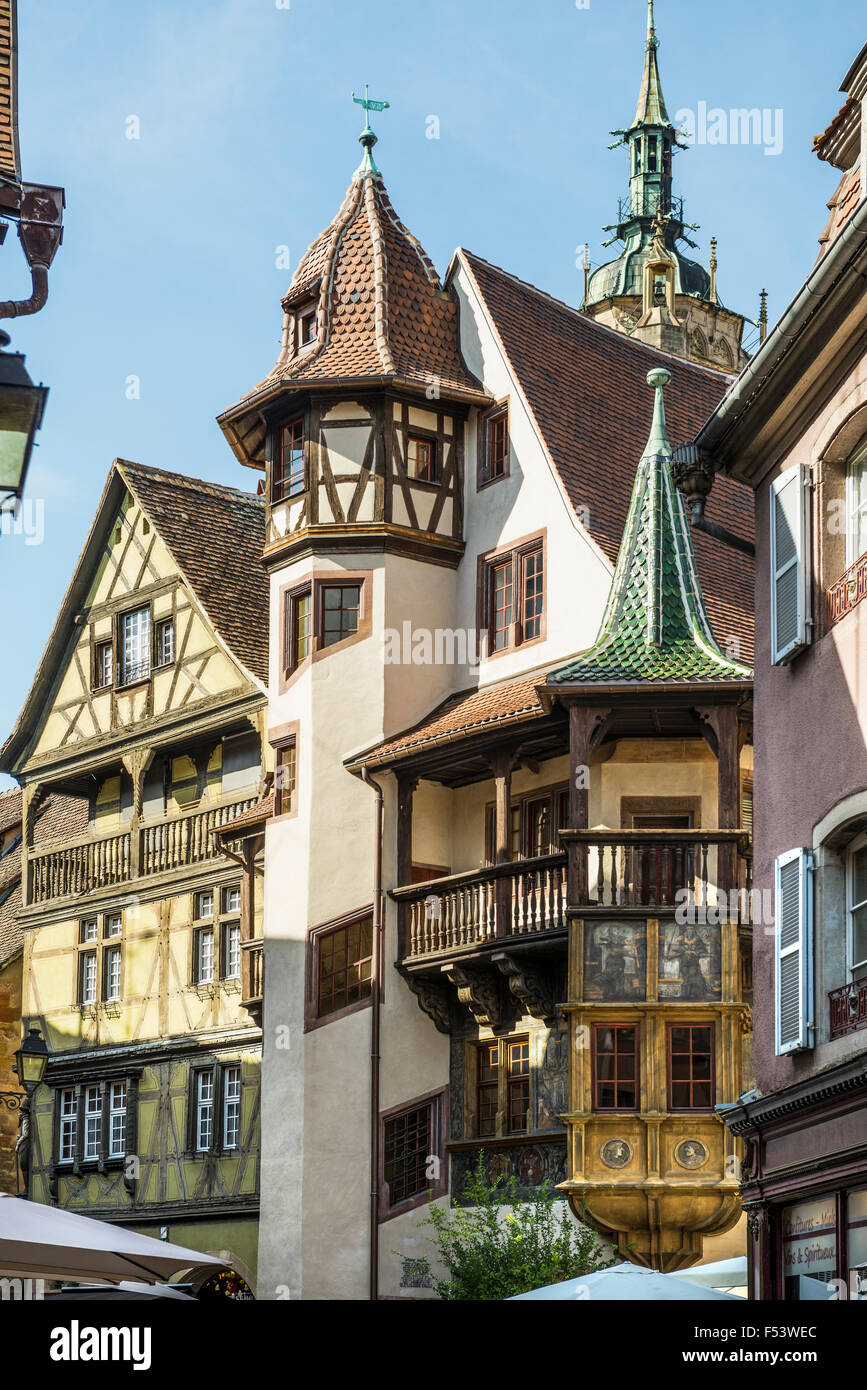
10,809
217,535
254,815
382,313
847,196
846,110
586,386
9,162
467,712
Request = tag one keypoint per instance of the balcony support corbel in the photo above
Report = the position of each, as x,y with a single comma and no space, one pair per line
479,991
532,989
136,764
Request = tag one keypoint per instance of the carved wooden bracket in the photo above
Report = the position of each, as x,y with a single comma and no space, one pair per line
433,999
478,991
533,990
137,763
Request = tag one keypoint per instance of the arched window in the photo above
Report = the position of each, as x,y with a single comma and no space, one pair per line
856,505
856,904
698,344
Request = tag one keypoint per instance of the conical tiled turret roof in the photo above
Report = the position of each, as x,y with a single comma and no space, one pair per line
381,310
655,626
381,315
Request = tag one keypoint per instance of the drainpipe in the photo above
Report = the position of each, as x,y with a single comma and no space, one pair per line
376,993
13,308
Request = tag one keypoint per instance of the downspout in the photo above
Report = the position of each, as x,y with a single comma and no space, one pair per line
376,994
13,308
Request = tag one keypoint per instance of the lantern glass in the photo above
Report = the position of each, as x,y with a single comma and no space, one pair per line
31,1059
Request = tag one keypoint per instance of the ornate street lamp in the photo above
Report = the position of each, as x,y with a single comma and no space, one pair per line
31,1060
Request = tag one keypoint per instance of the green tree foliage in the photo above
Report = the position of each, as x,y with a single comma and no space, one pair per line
499,1245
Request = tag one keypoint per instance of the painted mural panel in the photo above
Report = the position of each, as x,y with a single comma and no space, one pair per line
690,961
615,960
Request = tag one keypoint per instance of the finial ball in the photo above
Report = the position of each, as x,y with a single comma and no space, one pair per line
660,376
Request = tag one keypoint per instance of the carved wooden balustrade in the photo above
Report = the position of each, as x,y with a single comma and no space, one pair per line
84,865
186,839
79,867
252,975
648,869
516,899
848,1006
618,869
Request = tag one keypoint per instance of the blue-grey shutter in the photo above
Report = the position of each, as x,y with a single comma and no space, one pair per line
793,973
790,567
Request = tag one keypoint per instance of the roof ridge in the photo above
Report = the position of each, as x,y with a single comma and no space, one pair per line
713,372
186,480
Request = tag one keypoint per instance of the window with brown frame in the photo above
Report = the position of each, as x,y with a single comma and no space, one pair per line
298,639
319,613
615,1067
690,1066
413,1164
536,820
340,967
103,665
422,459
339,606
488,1088
290,469
494,446
286,777
531,598
502,1086
513,598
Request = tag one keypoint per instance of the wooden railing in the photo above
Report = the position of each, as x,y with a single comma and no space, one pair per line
516,899
89,864
185,839
80,867
848,591
649,869
848,1006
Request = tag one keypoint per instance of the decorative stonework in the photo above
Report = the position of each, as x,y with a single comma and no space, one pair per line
691,1153
616,1153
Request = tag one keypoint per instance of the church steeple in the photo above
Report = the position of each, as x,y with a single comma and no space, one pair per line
652,290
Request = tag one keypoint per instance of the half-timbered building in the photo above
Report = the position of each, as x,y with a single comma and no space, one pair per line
141,736
447,471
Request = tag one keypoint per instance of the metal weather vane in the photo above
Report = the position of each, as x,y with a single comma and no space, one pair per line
368,138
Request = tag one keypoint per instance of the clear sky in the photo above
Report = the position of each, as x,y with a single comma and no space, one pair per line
171,268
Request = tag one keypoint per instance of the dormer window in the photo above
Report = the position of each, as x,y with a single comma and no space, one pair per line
306,326
290,472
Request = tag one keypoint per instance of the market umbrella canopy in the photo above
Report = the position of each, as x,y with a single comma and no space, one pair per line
42,1242
723,1274
127,1289
625,1283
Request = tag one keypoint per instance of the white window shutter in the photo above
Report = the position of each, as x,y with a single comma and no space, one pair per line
793,973
790,564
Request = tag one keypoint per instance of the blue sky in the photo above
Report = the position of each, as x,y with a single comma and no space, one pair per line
169,268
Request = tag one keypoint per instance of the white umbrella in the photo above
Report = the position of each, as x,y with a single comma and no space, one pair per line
127,1289
625,1283
723,1274
42,1242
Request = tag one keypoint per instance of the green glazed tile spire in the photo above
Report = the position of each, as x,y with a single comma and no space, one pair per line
655,626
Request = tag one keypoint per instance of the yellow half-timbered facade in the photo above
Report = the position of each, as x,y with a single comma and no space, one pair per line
141,956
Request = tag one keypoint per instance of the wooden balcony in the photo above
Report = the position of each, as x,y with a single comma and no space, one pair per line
848,592
635,870
848,1008
519,899
88,864
647,870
